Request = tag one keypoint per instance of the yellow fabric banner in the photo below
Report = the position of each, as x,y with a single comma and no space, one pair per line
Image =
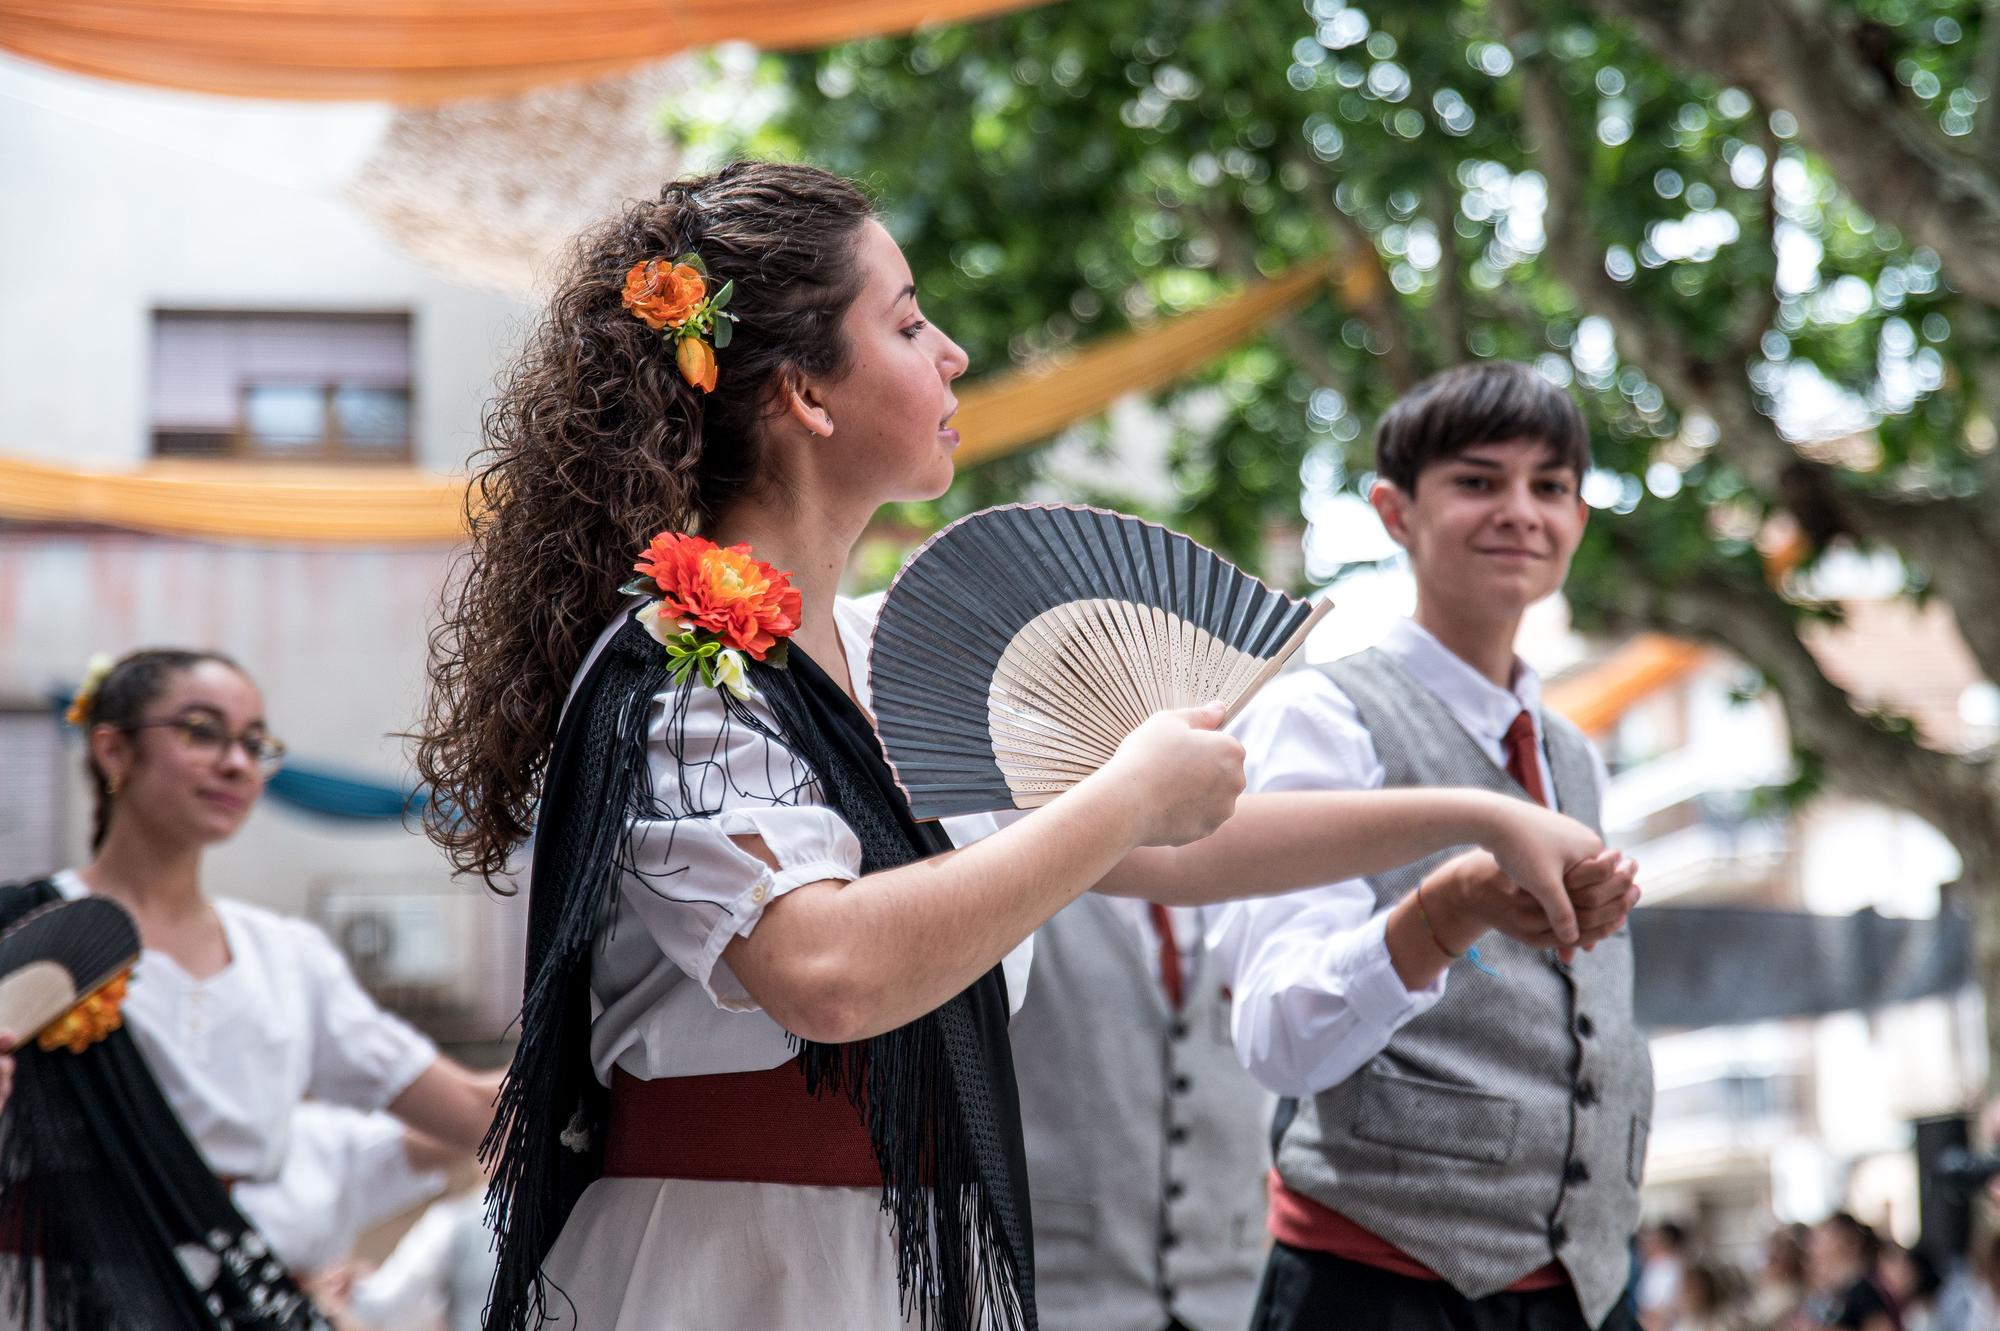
1029,405
423,51
283,504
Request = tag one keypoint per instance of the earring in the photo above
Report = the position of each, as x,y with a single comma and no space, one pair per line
111,785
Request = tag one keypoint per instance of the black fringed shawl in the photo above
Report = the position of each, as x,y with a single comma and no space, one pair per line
938,1095
130,1228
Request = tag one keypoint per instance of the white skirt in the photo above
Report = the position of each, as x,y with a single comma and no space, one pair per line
684,1255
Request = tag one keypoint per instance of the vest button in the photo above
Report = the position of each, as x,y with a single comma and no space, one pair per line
1558,1234
1179,1030
1167,1295
1176,1190
1181,1084
1576,1172
1585,1026
1176,1135
1169,1240
1586,1093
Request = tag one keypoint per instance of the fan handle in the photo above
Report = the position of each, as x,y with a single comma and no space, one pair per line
1269,670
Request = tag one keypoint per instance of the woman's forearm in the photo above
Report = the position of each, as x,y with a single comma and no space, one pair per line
840,961
449,1102
1283,842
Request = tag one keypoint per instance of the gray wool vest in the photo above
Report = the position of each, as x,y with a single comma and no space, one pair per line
1146,1139
1506,1126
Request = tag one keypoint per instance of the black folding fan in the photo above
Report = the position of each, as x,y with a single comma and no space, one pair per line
56,956
1020,645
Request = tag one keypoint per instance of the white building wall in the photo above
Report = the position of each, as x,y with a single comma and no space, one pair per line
119,201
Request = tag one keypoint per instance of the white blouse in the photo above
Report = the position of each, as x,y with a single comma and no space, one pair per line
642,1254
666,1002
284,1021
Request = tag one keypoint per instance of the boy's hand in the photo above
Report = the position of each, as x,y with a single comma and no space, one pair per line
1602,890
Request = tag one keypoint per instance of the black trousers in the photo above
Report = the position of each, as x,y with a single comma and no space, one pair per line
1316,1291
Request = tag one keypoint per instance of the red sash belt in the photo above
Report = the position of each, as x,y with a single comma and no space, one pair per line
1301,1222
737,1127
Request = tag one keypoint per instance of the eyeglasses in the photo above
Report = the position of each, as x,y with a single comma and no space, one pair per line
204,735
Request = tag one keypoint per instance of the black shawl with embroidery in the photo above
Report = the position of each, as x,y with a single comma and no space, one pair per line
128,1227
937,1095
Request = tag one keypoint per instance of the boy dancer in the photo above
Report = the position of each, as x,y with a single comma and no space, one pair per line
1465,1152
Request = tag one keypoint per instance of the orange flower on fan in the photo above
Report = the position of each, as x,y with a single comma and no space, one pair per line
748,605
664,294
90,1020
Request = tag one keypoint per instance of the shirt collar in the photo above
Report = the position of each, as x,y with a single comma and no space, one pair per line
1480,705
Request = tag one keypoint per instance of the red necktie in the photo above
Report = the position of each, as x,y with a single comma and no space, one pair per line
1170,954
1523,763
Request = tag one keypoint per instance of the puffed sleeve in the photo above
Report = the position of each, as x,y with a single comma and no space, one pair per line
362,1055
717,777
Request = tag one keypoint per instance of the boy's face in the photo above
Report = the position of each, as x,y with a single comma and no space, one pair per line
1491,529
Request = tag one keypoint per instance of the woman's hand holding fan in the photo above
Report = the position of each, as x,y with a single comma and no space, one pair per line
6,1068
1177,775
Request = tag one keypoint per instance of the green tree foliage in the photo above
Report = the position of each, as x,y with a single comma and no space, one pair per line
1761,241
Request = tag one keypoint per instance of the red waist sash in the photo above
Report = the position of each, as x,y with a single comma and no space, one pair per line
737,1127
1298,1220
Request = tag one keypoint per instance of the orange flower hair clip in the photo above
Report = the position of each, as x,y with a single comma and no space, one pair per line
671,297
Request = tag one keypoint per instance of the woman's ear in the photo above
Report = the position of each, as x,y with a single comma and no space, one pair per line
111,750
803,406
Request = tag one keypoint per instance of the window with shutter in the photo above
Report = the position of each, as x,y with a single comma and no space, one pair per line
281,386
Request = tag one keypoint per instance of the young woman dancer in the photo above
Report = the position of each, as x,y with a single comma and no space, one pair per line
764,1077
235,1017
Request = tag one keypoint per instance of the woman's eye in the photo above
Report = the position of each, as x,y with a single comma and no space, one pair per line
911,330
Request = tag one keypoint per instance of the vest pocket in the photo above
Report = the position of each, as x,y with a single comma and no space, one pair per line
1435,1118
1635,1149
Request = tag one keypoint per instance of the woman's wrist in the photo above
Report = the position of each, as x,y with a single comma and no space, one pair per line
1104,802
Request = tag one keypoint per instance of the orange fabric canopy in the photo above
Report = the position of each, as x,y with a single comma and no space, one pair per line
1593,699
423,51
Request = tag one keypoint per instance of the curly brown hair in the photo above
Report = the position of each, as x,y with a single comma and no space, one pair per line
594,443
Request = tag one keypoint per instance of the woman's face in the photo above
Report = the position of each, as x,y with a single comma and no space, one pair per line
183,773
891,411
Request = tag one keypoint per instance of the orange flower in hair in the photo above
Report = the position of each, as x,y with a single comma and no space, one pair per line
671,297
697,361
664,294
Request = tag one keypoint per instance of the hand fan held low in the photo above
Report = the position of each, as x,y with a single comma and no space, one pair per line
55,958
1019,646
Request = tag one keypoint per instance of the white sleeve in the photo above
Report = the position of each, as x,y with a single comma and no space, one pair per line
692,887
1315,994
413,1283
362,1055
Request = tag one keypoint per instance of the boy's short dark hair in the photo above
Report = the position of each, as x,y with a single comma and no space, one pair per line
1486,402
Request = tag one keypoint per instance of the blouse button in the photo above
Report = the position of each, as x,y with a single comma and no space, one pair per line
759,892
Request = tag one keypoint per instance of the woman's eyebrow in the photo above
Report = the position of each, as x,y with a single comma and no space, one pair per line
904,295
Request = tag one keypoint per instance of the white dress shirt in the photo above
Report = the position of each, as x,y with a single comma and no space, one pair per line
1316,995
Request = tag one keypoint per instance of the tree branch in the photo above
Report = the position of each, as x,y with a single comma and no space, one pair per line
1811,58
1986,68
1364,284
1869,754
1449,324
